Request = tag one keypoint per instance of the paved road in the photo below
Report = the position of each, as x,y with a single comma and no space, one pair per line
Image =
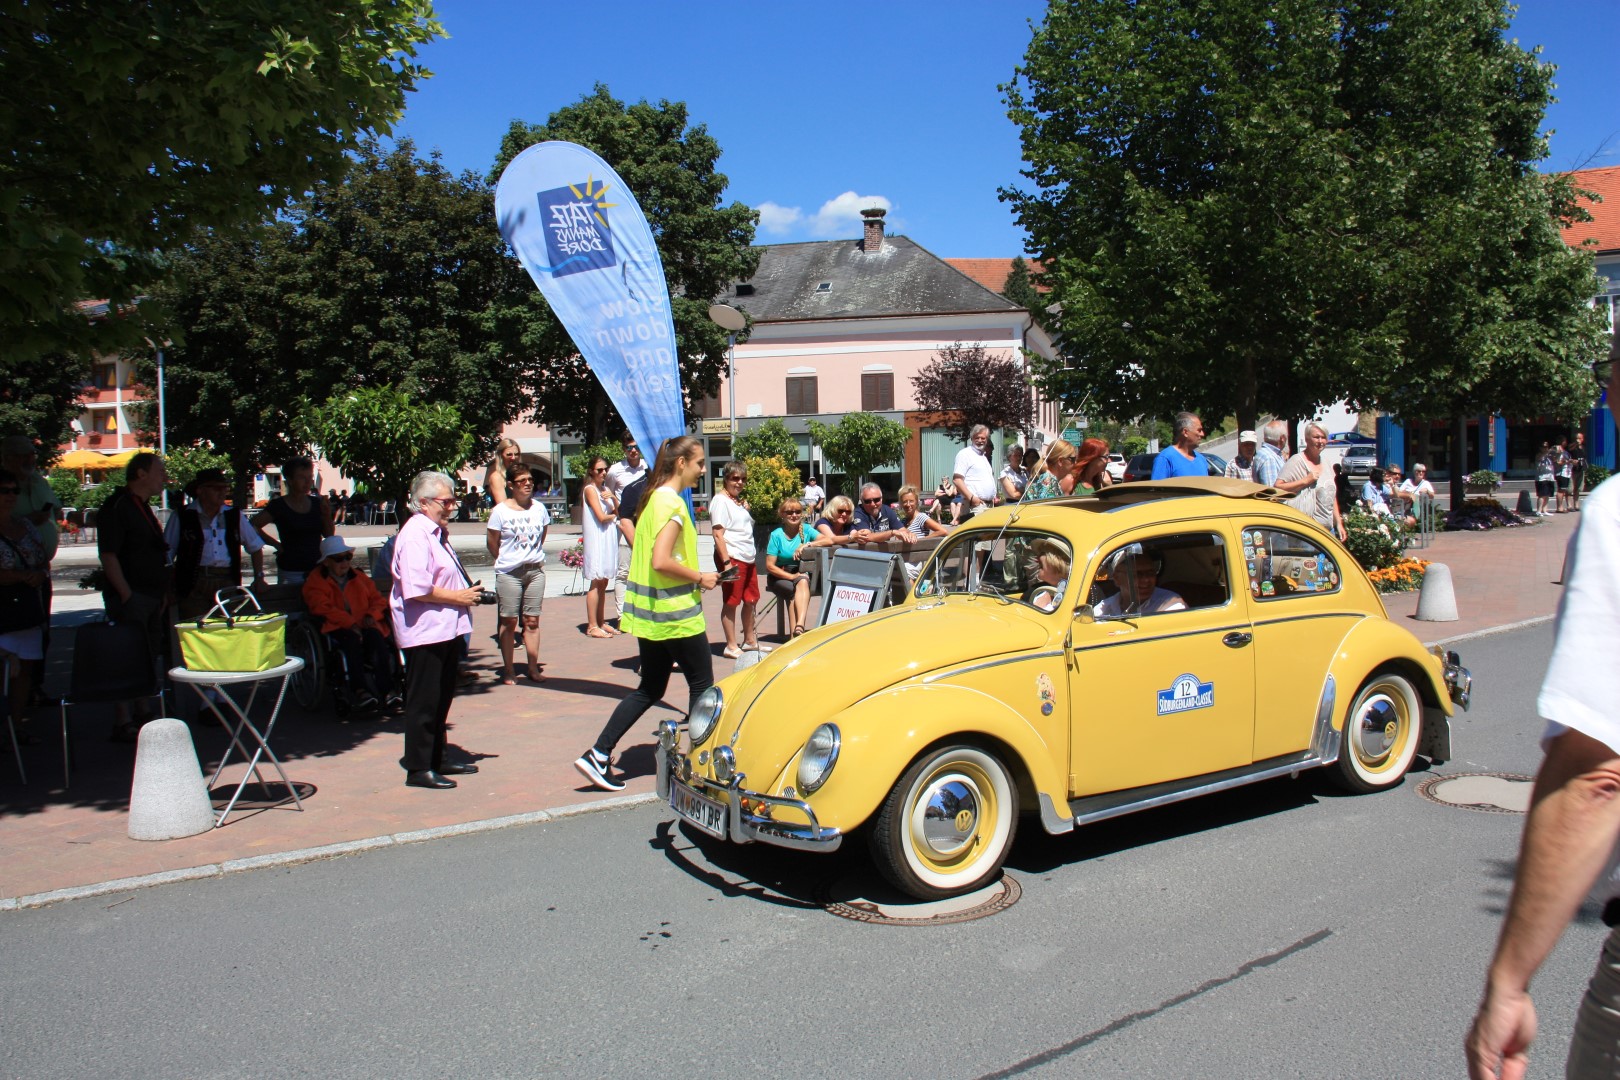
1279,931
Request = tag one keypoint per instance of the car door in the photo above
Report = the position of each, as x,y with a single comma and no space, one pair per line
1166,695
1298,610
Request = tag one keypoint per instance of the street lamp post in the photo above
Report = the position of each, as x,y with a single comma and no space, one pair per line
730,320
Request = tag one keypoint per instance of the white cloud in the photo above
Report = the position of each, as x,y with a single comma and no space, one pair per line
842,216
778,219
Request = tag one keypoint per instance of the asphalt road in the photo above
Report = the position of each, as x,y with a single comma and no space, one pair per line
1279,931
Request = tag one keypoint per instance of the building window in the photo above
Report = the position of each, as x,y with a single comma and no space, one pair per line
877,391
706,408
107,422
104,376
801,395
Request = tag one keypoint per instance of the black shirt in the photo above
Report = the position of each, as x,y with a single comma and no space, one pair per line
127,528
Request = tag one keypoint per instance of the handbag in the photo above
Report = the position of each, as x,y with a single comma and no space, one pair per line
20,607
233,637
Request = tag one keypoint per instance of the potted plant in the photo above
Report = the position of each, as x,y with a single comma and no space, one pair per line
1482,482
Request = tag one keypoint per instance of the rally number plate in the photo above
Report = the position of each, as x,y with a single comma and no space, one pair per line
706,814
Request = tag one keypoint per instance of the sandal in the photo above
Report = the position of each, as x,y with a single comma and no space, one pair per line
755,646
731,652
798,629
597,632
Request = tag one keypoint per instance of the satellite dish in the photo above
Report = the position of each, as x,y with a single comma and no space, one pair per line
727,317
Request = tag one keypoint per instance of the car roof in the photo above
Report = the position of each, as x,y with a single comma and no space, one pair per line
1190,496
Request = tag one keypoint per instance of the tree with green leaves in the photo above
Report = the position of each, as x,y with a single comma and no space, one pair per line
1020,289
128,128
383,437
39,397
964,385
670,167
860,443
770,439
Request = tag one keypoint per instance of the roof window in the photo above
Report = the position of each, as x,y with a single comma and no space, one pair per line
825,286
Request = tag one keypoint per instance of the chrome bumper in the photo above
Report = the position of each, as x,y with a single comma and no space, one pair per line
1459,681
742,826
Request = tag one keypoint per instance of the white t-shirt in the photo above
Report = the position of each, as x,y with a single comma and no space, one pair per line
621,475
974,469
1577,692
523,535
813,495
1161,600
1423,489
739,526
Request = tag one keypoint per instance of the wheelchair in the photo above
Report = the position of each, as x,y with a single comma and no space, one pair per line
325,670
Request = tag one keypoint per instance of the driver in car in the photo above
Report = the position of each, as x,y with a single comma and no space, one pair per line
1138,582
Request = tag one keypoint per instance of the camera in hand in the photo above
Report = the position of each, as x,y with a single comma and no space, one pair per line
485,596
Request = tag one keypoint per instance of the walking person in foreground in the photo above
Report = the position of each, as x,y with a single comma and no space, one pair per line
663,602
429,597
1571,831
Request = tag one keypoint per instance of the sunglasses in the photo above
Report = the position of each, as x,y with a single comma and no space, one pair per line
346,557
526,481
793,513
870,502
448,500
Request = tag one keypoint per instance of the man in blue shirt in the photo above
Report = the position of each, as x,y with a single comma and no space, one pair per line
878,521
1273,454
1181,458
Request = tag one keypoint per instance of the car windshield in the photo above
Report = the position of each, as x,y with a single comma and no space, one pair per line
1021,565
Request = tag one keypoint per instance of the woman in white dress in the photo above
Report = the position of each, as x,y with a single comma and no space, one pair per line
599,512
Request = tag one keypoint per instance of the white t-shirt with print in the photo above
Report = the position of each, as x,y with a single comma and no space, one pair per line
523,535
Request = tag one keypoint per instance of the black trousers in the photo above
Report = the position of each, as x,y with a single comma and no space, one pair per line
658,659
430,685
362,646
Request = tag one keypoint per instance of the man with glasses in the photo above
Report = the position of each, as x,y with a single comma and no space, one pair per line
876,522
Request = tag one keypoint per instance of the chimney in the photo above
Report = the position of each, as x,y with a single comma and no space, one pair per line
873,240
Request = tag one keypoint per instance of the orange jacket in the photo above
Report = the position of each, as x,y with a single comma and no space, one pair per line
341,609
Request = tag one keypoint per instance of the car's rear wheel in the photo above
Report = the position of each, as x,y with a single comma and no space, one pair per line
947,825
1380,734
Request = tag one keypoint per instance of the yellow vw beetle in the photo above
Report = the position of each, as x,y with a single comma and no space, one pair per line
1074,660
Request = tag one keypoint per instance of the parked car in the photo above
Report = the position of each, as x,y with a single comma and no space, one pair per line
1359,459
1116,467
1141,467
1207,636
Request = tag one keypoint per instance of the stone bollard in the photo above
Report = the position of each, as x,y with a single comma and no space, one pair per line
1437,600
748,659
1525,505
168,798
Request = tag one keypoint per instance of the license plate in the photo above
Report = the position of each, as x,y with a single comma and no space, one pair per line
706,814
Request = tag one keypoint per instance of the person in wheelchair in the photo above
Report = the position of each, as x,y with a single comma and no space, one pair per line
354,618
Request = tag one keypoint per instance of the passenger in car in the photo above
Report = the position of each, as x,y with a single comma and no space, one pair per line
1048,569
1146,583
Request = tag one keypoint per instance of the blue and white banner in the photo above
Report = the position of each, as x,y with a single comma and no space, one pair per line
579,233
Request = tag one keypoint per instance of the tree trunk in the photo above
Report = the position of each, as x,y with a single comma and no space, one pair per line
1248,392
1459,459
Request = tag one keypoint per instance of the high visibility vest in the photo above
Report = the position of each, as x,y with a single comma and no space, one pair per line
656,606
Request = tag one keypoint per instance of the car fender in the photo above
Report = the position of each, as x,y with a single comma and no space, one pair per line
881,735
1375,643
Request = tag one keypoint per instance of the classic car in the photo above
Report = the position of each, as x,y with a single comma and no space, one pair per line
1072,660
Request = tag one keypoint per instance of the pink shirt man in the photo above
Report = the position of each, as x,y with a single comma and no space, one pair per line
423,559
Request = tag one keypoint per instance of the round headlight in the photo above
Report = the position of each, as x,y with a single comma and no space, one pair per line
700,724
819,756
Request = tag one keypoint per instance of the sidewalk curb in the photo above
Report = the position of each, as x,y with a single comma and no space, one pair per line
325,851
1522,624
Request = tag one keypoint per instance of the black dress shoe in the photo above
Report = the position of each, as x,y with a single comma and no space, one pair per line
464,769
428,778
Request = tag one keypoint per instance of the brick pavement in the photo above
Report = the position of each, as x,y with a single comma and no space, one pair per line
523,737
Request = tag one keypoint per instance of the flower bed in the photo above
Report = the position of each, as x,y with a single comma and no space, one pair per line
1482,513
1404,576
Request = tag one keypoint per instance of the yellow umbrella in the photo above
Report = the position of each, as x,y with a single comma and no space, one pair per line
123,456
82,459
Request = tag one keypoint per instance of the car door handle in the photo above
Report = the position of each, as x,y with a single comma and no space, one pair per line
1237,639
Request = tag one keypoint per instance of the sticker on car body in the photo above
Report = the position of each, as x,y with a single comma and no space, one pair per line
1185,694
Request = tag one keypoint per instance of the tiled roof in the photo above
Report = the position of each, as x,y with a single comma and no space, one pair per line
991,273
1605,224
838,279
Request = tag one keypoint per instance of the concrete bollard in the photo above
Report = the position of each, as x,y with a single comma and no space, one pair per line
1437,600
1525,505
748,659
168,798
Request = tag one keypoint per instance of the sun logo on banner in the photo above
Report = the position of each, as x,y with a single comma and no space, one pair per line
578,237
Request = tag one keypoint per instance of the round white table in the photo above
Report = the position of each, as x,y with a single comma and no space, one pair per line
217,681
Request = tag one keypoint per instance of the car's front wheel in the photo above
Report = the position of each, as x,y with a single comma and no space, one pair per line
1380,734
948,823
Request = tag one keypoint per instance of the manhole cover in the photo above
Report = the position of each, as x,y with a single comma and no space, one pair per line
849,899
1489,793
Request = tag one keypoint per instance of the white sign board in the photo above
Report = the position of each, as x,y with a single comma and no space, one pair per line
848,602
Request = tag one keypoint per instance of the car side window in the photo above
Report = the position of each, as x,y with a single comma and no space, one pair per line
1160,574
1282,563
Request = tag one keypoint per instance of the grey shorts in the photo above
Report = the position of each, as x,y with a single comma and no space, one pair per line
521,592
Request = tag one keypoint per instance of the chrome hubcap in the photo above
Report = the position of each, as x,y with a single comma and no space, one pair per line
1378,728
950,816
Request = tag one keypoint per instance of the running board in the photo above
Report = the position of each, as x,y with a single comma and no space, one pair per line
1115,803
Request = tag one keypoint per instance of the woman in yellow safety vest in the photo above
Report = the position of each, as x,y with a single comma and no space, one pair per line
663,602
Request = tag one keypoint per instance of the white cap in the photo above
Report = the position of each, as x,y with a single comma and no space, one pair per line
1249,437
334,545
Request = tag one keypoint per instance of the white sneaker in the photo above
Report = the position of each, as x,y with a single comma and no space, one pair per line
757,648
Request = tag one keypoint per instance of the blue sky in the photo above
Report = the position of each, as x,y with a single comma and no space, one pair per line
823,108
